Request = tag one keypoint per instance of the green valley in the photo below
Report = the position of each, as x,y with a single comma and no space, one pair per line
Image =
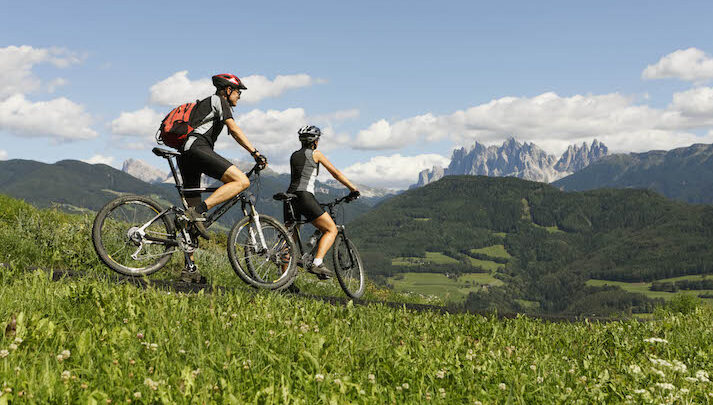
542,244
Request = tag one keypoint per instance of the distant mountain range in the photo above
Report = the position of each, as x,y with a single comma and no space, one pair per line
147,173
514,159
684,174
78,186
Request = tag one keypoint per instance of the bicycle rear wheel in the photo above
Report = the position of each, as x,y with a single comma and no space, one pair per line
348,267
270,266
120,232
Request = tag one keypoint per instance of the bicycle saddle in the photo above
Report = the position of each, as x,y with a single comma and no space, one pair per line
284,196
164,152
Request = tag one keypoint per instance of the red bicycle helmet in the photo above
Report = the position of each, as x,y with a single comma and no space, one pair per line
228,80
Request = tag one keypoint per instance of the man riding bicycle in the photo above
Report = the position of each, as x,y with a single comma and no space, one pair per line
304,168
198,157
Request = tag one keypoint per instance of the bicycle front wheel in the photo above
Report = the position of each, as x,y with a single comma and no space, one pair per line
348,267
270,265
121,236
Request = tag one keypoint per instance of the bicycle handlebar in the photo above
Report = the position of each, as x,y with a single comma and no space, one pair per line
338,201
255,170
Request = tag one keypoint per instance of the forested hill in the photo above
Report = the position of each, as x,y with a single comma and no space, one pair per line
557,240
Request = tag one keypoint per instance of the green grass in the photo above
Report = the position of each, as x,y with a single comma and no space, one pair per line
431,257
550,229
440,258
487,265
92,341
437,284
643,288
493,251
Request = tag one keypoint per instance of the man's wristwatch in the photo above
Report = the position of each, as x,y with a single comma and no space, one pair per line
253,153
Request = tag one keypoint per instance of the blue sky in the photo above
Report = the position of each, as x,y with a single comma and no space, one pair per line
396,85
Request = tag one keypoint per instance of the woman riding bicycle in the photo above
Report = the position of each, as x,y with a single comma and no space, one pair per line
304,167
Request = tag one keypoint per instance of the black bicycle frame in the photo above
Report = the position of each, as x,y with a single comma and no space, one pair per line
295,228
244,197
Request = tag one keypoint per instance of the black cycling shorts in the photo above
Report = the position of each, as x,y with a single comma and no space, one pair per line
305,205
199,159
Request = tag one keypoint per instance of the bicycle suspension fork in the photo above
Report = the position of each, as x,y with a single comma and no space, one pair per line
249,210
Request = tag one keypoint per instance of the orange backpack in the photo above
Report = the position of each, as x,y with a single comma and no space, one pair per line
175,127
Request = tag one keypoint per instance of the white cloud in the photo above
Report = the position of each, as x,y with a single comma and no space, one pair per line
393,171
384,135
16,63
690,64
273,132
3,154
178,88
59,118
107,160
141,123
697,102
260,87
554,122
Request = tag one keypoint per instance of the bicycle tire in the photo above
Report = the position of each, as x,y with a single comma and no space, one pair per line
261,268
111,240
348,267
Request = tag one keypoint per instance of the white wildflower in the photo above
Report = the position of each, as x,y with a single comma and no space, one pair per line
405,386
151,383
640,391
17,341
4,353
665,386
655,340
660,362
66,375
12,346
691,379
442,392
702,376
635,369
319,377
469,356
659,372
678,366
338,381
540,380
137,395
441,374
372,378
533,367
684,390
502,386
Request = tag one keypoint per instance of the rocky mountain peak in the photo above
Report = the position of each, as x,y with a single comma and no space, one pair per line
512,158
144,171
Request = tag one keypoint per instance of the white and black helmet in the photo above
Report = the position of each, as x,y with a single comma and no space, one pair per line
309,133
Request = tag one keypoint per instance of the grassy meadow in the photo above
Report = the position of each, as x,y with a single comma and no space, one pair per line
90,340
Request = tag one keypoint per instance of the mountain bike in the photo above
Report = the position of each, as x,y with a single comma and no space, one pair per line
134,236
348,266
